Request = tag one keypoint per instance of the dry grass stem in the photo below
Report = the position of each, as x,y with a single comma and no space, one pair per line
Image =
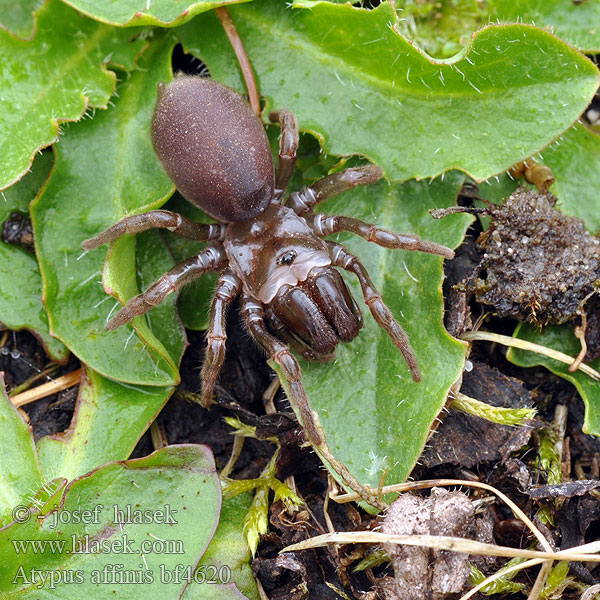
442,542
505,340
47,389
419,485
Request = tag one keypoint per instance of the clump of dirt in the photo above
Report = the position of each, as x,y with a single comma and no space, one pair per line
17,230
427,573
537,264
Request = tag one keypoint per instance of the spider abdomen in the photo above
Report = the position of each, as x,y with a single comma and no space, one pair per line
214,148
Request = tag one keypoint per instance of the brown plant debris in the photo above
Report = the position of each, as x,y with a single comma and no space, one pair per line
466,440
538,265
426,573
564,490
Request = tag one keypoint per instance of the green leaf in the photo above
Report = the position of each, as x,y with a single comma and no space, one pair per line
575,162
214,592
441,28
363,89
21,297
110,417
561,338
153,260
374,415
105,169
227,558
195,298
146,12
177,490
18,17
575,22
109,420
53,78
20,475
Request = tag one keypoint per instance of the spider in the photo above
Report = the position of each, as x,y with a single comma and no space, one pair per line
269,252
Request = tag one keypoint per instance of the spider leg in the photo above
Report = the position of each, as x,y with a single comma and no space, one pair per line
210,259
307,198
288,144
253,316
324,225
381,313
228,287
166,219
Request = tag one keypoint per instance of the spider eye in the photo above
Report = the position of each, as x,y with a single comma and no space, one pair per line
287,258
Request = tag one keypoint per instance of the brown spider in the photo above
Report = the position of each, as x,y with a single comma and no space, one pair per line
216,152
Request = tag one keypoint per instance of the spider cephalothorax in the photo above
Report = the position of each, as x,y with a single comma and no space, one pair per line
216,152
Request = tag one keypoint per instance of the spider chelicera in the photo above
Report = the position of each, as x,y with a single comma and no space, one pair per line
270,252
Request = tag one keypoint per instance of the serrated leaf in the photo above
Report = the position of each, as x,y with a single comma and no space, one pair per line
178,490
576,22
561,338
104,169
375,417
21,297
441,28
146,12
377,95
18,17
20,474
53,78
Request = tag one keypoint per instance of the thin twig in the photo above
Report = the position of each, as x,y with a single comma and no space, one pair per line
525,565
540,580
559,428
46,373
47,389
506,340
242,56
501,573
580,335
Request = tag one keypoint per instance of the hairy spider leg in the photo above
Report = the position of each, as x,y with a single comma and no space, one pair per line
288,145
324,225
307,198
253,315
228,287
211,258
381,313
165,219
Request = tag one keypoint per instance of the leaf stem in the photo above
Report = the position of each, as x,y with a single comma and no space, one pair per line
242,56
